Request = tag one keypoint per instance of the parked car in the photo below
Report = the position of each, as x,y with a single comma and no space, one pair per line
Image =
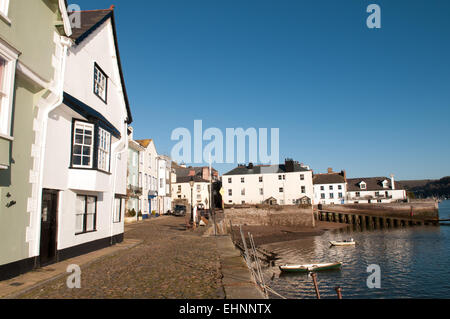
179,210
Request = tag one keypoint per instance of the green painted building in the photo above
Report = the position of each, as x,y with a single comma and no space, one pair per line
33,46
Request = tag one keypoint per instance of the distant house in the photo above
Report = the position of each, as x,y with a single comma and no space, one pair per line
374,190
330,188
254,184
149,172
134,174
199,192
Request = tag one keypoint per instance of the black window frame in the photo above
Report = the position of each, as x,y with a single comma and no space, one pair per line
96,66
95,146
85,215
122,205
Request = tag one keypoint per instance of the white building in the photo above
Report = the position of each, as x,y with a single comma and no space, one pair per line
374,190
284,184
85,162
181,190
134,176
148,171
330,188
164,164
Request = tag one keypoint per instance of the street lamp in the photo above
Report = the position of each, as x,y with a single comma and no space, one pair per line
191,184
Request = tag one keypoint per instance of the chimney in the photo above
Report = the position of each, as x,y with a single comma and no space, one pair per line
250,166
191,173
289,164
344,174
330,170
392,182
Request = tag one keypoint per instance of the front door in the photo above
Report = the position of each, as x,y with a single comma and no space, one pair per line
48,226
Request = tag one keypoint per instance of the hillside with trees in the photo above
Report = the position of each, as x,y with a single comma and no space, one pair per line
429,188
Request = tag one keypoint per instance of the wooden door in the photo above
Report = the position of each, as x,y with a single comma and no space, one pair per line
48,227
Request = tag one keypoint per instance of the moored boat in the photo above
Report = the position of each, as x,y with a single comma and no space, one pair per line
310,267
342,243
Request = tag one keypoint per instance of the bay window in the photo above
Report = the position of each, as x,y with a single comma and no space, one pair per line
90,150
104,146
83,144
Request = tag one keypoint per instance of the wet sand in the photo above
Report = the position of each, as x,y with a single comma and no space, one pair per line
272,234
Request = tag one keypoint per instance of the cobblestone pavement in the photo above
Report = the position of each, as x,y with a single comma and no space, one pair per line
170,263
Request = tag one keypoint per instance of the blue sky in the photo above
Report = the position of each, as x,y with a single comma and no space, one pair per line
373,102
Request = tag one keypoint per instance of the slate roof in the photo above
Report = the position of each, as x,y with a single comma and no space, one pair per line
328,179
373,184
92,20
186,179
264,169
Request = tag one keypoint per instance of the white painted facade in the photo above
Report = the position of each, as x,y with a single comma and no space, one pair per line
285,187
149,171
364,191
107,187
164,164
200,192
330,194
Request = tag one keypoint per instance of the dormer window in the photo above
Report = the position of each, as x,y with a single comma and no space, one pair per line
385,184
100,83
362,185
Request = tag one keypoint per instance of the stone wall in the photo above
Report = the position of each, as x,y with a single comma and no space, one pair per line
424,210
270,216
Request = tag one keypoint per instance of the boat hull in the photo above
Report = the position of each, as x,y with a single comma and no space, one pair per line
310,268
337,243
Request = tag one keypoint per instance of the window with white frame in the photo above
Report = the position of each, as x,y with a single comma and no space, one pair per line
86,214
83,143
230,192
100,83
104,146
4,7
8,60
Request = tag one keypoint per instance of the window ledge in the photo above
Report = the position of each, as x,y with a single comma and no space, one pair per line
86,232
6,137
5,18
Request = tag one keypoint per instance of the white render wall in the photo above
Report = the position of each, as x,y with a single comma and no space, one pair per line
149,172
78,82
200,192
271,183
327,191
397,194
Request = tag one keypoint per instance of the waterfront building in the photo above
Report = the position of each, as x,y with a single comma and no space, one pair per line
34,39
164,164
134,175
374,190
149,172
283,184
201,191
85,162
182,191
330,188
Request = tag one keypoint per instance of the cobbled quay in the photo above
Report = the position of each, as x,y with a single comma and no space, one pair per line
171,262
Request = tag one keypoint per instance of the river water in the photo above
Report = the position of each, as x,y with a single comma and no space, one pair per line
414,263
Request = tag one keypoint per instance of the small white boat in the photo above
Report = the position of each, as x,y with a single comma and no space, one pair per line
310,267
343,243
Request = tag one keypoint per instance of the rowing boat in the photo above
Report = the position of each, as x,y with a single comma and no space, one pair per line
342,243
310,267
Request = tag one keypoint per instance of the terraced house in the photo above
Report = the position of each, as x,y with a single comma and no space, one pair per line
85,163
34,40
64,182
